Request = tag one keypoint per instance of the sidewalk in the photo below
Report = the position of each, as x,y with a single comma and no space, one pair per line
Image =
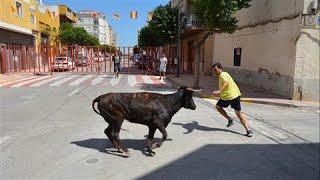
249,93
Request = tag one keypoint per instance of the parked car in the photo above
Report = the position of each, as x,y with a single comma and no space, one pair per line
63,63
81,61
144,61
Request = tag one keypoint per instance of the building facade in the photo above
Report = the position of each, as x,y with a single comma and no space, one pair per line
276,47
17,21
95,24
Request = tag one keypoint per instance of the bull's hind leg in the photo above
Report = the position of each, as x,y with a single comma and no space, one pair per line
163,131
107,131
115,133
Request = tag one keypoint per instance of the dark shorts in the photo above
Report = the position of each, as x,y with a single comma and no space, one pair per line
235,103
116,67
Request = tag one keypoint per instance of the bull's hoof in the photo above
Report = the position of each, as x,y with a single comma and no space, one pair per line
150,153
156,145
127,153
120,150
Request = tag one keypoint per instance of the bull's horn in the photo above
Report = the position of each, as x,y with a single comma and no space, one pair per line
195,90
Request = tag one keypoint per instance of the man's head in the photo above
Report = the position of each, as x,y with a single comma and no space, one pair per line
163,55
217,68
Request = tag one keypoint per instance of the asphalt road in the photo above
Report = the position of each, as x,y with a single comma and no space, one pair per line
51,132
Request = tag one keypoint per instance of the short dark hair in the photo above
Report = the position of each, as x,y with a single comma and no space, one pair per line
218,65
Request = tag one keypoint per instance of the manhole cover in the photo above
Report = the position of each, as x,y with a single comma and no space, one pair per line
93,160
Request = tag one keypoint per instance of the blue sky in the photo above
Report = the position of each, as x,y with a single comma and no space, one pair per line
126,27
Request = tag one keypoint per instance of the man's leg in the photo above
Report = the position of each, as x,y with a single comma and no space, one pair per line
244,122
224,114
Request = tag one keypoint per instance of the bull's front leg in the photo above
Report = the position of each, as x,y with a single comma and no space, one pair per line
152,130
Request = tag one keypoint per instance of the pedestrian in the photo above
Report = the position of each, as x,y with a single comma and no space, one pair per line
116,62
163,66
229,95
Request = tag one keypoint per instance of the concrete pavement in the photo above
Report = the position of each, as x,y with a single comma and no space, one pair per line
250,94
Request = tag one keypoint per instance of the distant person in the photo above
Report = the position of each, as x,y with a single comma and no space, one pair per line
229,95
116,61
163,66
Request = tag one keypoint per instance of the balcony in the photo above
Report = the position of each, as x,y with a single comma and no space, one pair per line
190,25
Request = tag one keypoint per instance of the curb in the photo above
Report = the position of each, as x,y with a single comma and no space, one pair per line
250,100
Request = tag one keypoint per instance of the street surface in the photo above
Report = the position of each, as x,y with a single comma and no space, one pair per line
49,131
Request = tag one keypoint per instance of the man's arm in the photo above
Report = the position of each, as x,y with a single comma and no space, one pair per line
224,85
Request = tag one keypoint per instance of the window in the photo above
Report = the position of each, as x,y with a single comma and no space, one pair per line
19,9
96,22
32,19
237,56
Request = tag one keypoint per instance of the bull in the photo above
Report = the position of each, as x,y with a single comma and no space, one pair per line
151,109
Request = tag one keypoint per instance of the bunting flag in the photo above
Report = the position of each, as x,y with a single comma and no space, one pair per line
13,8
116,16
150,16
133,14
93,14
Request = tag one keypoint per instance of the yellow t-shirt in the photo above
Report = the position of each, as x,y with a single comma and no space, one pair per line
231,91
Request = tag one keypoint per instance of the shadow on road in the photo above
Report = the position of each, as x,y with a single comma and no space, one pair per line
242,161
194,125
105,146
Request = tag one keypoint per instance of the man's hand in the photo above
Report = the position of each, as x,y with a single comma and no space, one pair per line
216,93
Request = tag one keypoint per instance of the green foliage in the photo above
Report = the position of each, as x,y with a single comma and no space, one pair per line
70,35
218,15
162,29
108,48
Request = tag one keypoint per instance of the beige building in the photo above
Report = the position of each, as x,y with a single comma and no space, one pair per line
276,46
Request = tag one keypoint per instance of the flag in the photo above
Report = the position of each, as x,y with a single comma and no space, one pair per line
93,14
116,16
13,8
150,15
133,14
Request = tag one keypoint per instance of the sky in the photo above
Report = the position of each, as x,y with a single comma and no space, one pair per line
126,27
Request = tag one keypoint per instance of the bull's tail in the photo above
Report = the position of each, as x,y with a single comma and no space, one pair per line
94,101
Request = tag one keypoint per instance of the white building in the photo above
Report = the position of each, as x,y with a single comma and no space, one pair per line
95,24
114,39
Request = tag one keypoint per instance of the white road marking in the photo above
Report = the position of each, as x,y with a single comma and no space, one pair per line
115,81
58,83
12,82
3,139
98,80
30,81
73,92
132,80
80,80
45,81
147,80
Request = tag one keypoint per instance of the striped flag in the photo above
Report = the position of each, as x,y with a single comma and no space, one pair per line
150,16
116,16
133,14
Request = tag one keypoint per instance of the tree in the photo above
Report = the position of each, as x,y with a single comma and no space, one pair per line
216,16
162,29
70,35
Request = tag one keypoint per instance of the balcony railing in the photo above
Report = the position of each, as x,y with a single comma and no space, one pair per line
190,21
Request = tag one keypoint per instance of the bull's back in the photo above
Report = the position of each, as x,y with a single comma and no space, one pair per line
135,107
